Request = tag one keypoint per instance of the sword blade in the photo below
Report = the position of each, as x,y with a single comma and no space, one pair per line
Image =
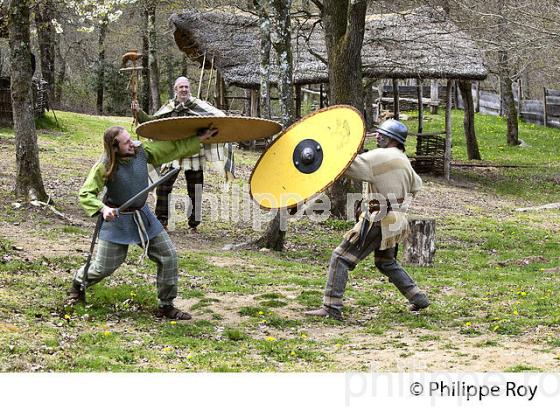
164,178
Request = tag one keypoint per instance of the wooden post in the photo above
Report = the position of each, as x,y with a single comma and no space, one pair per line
220,91
434,96
298,100
501,100
519,95
380,91
396,108
321,103
447,152
476,95
254,103
420,245
455,94
247,102
199,91
420,106
545,108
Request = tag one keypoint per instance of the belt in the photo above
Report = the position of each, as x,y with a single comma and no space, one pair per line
128,210
375,205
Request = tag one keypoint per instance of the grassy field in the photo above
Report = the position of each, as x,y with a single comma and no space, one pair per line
494,286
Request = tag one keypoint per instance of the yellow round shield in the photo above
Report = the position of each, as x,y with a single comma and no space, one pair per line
308,157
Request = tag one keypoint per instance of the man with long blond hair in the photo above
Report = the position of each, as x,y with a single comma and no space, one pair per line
123,172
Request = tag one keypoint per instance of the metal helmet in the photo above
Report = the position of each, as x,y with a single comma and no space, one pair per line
393,129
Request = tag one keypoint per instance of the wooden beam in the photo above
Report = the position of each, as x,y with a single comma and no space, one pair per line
220,91
476,86
396,108
420,106
254,103
545,92
434,96
519,94
298,100
447,152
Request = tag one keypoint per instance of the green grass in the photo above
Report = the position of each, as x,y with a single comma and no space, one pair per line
494,284
537,178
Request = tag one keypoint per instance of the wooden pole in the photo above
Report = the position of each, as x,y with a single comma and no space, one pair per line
501,100
476,95
396,108
434,96
321,103
380,90
199,92
545,108
254,103
210,80
519,97
298,100
220,91
420,106
447,152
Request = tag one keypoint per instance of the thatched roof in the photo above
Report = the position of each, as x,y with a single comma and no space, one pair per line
421,43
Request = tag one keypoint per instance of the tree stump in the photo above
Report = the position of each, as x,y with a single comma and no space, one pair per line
420,245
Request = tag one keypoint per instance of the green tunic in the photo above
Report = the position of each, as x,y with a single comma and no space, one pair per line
157,152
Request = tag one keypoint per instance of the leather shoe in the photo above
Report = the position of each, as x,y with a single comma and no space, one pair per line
324,312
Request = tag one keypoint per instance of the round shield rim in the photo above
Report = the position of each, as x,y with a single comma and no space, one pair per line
212,140
296,205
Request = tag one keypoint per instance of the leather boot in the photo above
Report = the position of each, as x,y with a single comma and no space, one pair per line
325,312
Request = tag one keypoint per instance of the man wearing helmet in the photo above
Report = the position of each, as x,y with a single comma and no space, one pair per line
391,184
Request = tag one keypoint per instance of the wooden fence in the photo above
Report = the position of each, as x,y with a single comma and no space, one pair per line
542,112
40,100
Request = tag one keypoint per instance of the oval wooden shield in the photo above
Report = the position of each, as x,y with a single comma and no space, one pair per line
230,128
308,157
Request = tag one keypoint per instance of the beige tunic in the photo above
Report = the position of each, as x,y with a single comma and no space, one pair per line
390,177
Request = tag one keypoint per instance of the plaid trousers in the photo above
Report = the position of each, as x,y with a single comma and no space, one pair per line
111,255
347,255
195,182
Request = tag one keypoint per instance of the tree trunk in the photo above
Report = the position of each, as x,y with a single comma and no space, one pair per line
274,237
170,77
146,101
281,41
468,119
344,23
44,14
280,38
29,182
508,101
154,70
368,103
265,47
60,76
101,64
447,153
420,245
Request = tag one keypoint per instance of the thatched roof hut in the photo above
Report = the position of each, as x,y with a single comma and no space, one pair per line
421,43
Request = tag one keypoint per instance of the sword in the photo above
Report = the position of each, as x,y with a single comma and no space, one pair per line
121,208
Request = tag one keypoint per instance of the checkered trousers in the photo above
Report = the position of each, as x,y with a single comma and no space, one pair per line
111,255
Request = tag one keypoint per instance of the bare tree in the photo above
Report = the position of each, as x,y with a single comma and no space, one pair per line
344,24
280,38
29,182
468,119
100,83
265,47
152,53
44,15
